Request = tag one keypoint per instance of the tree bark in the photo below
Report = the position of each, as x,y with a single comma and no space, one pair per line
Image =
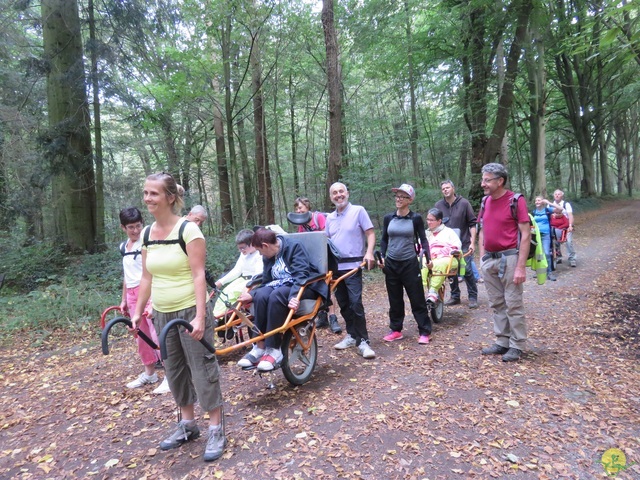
266,213
334,79
68,146
536,76
97,130
413,137
477,63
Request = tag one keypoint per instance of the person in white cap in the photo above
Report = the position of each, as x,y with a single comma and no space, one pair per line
403,236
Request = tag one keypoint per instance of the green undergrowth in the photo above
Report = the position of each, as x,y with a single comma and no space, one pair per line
45,290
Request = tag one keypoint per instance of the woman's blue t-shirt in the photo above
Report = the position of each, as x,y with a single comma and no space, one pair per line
542,219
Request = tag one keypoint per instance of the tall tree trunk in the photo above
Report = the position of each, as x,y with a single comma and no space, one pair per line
4,187
221,157
69,140
334,79
579,116
265,190
97,129
239,207
292,133
477,65
412,93
536,75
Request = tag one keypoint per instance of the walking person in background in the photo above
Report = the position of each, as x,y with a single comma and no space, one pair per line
401,266
504,248
132,224
558,196
541,214
460,214
349,227
175,282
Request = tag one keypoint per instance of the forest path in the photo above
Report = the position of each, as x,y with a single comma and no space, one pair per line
439,411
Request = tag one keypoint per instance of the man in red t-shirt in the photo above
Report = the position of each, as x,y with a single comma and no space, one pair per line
503,262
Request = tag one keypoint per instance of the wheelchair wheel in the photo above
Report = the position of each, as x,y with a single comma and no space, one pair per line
437,311
298,365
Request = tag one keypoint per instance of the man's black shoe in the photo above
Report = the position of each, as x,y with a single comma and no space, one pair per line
159,365
495,349
473,303
335,325
513,355
452,301
321,320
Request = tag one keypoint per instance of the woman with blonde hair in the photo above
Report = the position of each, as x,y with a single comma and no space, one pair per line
173,258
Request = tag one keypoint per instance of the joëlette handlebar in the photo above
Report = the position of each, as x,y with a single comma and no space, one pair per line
175,323
127,322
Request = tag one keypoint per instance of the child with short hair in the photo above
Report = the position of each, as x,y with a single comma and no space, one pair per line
132,224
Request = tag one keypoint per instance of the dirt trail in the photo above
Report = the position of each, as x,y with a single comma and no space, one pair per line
438,412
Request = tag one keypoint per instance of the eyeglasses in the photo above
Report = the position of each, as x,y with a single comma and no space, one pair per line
134,227
243,248
402,197
487,180
431,220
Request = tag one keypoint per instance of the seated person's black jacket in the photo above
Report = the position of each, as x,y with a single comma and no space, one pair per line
297,260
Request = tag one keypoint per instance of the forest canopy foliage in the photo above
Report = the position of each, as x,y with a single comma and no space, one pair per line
232,98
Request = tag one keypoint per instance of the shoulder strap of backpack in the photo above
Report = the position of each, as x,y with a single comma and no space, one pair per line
481,211
124,253
180,240
514,206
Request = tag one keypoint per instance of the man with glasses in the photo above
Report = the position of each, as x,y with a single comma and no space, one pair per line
504,247
461,216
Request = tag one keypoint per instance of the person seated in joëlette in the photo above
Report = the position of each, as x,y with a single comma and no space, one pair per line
286,267
443,241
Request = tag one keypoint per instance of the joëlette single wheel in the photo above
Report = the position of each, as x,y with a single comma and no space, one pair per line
298,365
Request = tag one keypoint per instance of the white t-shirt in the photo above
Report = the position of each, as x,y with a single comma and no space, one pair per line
132,264
247,266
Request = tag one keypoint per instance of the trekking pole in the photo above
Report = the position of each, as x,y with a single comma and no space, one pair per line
162,338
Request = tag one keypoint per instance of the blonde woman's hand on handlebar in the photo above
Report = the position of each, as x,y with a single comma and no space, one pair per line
198,328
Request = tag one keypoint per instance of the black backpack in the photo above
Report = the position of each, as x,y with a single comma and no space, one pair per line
146,242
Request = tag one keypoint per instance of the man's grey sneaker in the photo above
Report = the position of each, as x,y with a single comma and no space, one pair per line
334,324
347,342
513,355
185,432
452,301
143,380
365,350
495,349
215,444
473,303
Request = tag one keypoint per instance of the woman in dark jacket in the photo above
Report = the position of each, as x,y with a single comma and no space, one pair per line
287,266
